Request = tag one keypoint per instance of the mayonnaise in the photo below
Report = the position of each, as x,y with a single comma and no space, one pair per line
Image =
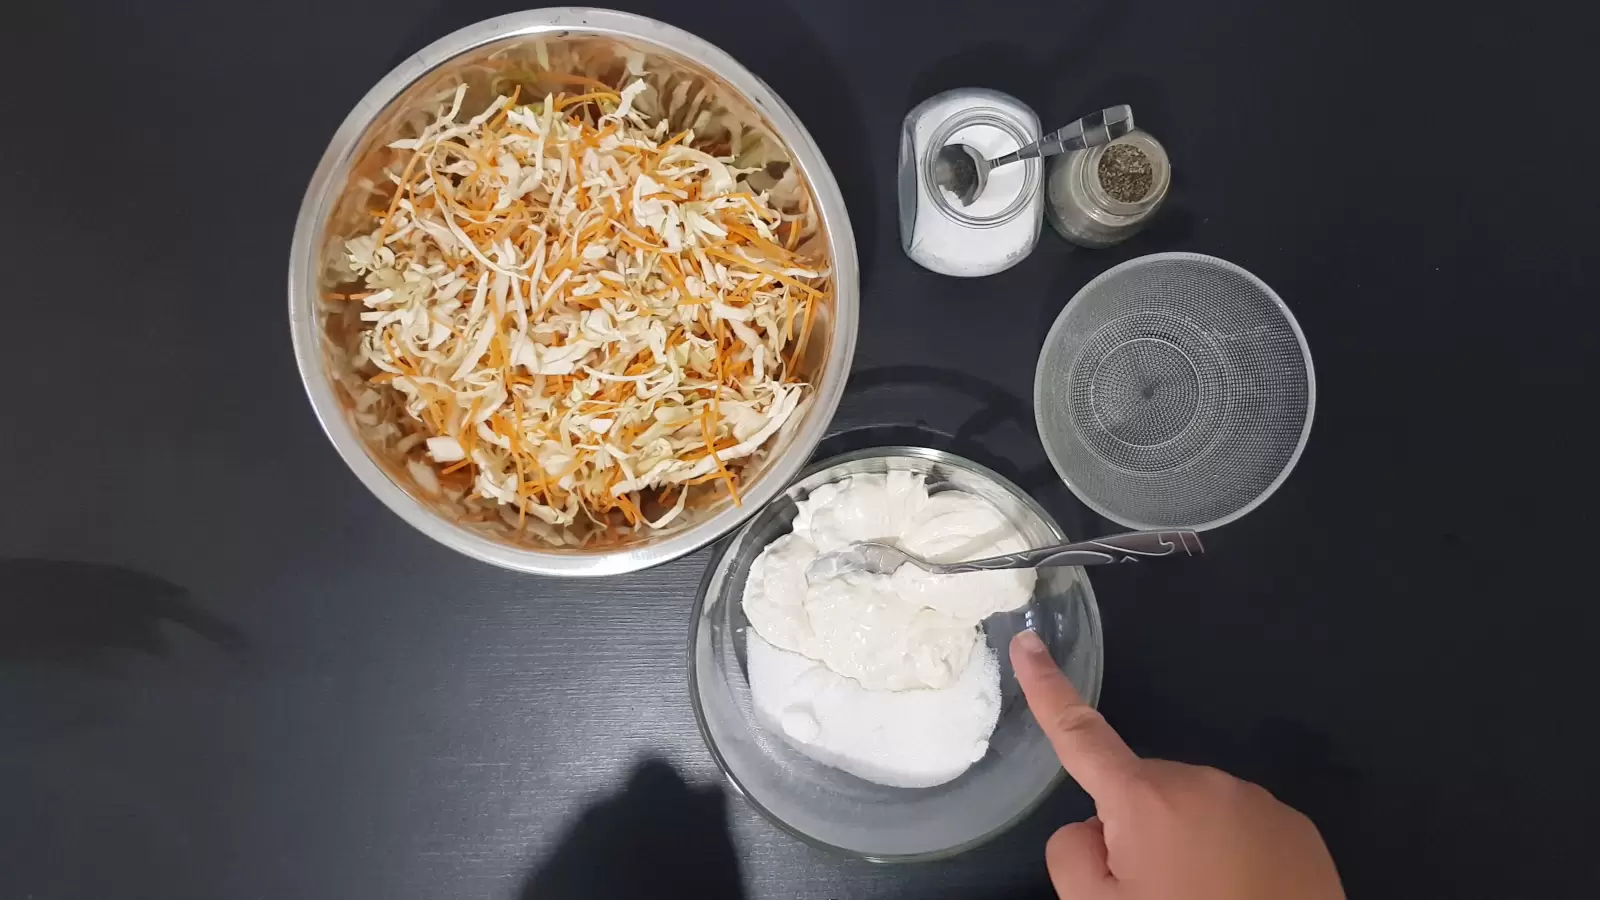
889,632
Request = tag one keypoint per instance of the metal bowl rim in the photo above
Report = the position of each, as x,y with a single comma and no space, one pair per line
324,189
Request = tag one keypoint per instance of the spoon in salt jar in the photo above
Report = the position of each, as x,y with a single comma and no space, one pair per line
964,172
878,558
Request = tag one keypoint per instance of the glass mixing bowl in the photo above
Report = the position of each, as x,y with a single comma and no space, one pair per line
835,809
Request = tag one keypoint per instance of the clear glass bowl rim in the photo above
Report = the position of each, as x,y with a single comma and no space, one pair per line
716,572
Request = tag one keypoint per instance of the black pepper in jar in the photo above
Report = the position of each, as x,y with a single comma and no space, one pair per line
1103,195
1125,173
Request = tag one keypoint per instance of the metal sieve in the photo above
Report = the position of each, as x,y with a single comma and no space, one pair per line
1174,391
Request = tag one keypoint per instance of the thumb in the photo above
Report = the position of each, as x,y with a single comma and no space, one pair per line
1075,856
1092,753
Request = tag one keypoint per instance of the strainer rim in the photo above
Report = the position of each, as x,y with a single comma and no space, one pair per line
1054,333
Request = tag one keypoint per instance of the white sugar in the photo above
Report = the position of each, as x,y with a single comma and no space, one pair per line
910,738
1002,224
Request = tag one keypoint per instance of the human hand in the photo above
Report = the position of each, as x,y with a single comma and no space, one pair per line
1163,830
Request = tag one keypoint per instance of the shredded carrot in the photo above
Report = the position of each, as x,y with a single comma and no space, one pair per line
635,240
394,353
755,205
436,419
587,98
776,276
707,428
749,234
516,455
570,469
628,509
394,202
469,437
805,336
678,281
471,219
716,389
516,91
702,452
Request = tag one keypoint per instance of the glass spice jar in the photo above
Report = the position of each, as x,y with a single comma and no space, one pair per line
1104,195
1001,226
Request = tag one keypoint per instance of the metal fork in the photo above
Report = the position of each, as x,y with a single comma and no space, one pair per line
883,559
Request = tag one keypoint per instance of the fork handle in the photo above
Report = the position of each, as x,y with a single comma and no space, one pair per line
1092,130
1130,547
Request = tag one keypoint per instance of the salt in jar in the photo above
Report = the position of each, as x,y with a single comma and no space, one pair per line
1002,224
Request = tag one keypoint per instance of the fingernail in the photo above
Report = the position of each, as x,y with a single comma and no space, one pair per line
1030,643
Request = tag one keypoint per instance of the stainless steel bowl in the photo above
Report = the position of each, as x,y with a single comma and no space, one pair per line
833,808
332,202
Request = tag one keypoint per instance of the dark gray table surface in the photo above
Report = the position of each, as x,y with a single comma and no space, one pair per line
227,672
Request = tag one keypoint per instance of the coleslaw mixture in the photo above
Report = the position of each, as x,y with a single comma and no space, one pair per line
575,315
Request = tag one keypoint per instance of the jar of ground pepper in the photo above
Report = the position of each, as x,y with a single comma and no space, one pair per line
1104,195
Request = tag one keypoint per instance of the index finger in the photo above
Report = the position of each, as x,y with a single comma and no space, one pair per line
1089,749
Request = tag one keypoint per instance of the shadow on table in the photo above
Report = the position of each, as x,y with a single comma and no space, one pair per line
991,407
1042,891
980,415
656,837
76,613
1060,83
997,65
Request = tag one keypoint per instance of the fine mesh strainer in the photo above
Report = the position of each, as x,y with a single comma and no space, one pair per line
1175,390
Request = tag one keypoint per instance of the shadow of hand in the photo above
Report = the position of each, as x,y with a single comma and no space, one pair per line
657,837
73,613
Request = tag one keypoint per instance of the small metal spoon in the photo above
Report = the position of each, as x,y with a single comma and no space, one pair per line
964,171
883,559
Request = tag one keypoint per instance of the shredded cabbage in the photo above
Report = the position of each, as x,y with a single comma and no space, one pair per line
573,314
